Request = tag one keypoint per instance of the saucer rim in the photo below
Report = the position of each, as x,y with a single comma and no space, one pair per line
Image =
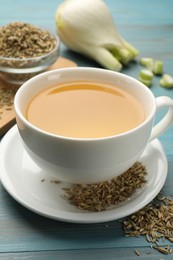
77,217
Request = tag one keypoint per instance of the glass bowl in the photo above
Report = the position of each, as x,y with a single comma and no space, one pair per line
18,70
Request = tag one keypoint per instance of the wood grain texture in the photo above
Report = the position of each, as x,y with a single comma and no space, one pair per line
25,235
94,254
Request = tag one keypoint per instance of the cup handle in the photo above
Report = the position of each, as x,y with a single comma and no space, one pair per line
167,120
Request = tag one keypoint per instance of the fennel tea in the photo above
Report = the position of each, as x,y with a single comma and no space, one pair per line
85,110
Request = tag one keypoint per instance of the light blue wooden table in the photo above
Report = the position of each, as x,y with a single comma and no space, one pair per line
25,235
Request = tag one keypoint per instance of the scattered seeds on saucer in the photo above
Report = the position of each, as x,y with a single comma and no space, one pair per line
103,195
56,181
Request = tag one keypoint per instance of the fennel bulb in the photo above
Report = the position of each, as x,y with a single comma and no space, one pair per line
87,27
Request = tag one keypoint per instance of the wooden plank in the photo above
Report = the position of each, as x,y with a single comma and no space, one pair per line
93,254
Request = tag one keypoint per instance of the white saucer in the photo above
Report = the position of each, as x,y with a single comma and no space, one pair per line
21,177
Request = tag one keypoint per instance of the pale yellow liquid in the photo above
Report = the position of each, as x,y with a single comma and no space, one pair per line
85,110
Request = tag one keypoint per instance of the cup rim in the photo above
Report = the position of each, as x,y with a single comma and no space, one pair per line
49,73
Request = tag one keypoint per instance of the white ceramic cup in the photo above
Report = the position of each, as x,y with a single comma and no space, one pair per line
80,160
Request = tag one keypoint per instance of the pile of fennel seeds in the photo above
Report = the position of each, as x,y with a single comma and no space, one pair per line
155,222
104,195
24,40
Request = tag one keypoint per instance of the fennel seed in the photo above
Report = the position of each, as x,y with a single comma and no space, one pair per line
164,250
137,252
56,181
